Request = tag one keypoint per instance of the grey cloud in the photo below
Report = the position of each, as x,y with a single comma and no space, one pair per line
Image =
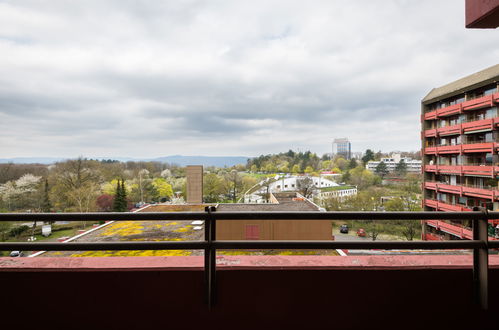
193,77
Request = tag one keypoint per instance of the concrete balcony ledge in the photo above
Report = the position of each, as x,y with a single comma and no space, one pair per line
224,263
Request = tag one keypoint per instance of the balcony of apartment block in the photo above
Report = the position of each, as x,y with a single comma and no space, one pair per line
469,147
457,230
469,169
446,207
486,192
478,103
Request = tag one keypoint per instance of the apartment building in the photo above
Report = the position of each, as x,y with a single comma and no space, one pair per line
412,165
460,141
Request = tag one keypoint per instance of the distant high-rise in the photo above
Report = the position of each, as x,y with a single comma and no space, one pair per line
342,147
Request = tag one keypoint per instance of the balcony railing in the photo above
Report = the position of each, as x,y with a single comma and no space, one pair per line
471,169
478,103
469,147
480,243
487,192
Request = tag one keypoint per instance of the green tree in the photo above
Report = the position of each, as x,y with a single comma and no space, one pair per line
296,169
369,155
120,203
309,169
46,205
401,168
381,169
352,163
162,188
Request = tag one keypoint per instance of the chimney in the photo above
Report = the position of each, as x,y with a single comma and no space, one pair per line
194,184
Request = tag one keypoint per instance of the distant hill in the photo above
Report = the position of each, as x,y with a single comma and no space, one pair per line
218,161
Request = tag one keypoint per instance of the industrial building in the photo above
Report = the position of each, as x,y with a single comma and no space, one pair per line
460,138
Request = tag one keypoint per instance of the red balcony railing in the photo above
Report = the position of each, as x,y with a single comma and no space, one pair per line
430,168
480,192
442,206
430,132
481,102
450,110
478,125
450,130
430,115
452,229
480,170
450,169
456,149
467,190
479,147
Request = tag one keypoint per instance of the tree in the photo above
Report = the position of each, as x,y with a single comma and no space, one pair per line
162,188
120,202
46,205
212,188
369,155
296,169
305,186
381,169
309,169
352,164
401,168
373,229
4,229
105,202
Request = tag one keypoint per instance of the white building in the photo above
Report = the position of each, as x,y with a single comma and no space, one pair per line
413,165
324,188
290,184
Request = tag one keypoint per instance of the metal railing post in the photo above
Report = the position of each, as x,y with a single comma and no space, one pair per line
210,257
481,260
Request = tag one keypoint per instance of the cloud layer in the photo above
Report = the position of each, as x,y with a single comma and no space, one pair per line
152,78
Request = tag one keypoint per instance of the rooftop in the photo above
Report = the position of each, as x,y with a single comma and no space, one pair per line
475,80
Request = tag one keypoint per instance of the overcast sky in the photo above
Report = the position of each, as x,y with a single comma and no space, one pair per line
155,78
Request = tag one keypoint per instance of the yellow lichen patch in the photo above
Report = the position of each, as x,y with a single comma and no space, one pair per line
171,224
138,253
125,228
183,229
237,253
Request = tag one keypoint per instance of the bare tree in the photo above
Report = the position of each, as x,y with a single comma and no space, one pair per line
305,186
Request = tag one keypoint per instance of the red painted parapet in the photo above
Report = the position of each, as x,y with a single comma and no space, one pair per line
479,102
482,14
478,147
430,132
450,110
450,130
456,149
452,229
478,170
430,115
478,125
450,169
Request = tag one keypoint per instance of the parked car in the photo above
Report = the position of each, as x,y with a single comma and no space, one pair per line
344,229
361,232
16,254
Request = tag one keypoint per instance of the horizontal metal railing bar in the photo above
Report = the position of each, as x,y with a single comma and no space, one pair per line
493,244
237,245
311,215
104,246
351,245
